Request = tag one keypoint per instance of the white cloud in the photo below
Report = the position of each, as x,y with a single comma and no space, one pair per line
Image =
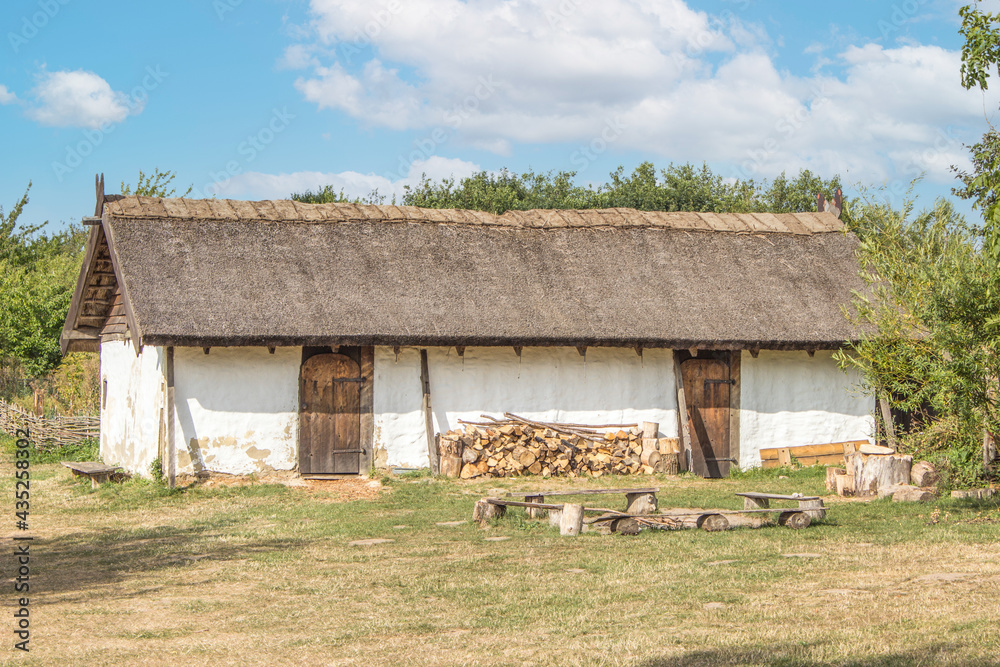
257,185
674,82
7,97
79,99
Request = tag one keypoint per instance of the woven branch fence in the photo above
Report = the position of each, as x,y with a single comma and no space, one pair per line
48,432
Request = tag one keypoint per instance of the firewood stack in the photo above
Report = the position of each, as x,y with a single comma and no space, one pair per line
515,446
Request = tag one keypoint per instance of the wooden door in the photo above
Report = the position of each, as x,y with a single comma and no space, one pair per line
707,386
330,415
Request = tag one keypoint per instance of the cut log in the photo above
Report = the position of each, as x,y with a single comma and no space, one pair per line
912,494
845,485
879,471
626,526
641,503
571,521
794,520
924,474
535,512
451,466
649,429
755,503
814,509
555,518
650,458
713,523
831,478
484,511
470,455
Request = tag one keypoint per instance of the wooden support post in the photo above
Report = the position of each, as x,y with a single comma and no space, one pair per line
555,518
571,522
484,510
534,512
682,417
815,508
641,503
425,383
989,448
171,462
755,503
890,429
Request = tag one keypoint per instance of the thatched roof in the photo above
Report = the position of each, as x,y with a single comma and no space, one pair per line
215,273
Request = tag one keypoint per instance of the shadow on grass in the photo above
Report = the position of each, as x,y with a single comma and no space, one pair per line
795,656
97,560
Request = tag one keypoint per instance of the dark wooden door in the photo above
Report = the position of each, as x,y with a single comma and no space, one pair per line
330,415
707,385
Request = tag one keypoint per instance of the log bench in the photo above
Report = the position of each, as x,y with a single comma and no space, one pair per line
761,501
97,472
639,501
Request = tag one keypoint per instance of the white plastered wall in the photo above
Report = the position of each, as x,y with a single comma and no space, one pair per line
131,402
608,386
789,399
236,409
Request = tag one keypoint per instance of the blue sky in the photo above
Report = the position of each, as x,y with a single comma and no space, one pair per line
255,99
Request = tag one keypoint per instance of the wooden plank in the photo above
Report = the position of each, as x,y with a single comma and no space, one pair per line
580,492
831,460
425,383
774,496
171,417
90,468
367,408
346,405
682,416
771,453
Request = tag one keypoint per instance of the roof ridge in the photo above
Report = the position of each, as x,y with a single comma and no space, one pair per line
154,208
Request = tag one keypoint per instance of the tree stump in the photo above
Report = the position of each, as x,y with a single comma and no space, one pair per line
625,526
641,503
831,478
571,521
451,466
872,472
485,510
755,503
794,520
816,510
713,523
924,474
555,518
535,512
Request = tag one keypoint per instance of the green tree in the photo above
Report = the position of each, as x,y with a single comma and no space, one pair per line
37,275
933,313
156,184
675,188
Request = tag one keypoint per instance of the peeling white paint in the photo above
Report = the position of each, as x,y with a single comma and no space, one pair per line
608,386
130,408
236,409
789,399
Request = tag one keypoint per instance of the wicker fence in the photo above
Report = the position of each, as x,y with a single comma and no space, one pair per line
48,432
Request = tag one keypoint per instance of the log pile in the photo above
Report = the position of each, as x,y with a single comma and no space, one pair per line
515,446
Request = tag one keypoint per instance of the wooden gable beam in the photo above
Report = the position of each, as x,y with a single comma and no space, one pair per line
133,324
94,240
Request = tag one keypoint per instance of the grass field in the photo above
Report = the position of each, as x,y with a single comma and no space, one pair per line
135,574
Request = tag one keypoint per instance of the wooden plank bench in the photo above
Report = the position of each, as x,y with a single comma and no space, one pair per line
762,501
639,501
97,472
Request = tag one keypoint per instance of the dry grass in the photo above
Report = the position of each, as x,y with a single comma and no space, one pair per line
264,574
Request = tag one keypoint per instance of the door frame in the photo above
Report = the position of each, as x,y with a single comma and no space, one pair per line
365,357
734,359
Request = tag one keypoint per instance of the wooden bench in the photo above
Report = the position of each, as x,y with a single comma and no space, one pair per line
97,472
639,501
759,501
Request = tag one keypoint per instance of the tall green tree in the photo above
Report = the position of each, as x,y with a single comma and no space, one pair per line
933,312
